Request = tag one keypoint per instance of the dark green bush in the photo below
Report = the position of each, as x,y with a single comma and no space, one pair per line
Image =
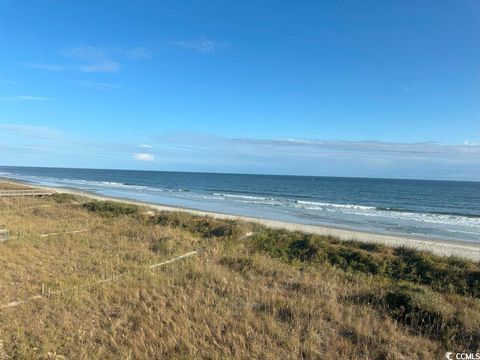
428,312
110,208
442,274
353,259
449,275
419,307
62,198
210,227
275,242
202,226
371,247
172,219
302,250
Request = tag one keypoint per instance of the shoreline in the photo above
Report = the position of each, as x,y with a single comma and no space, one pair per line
440,247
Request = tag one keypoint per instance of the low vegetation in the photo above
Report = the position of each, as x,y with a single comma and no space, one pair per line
5,185
110,208
274,294
205,227
448,275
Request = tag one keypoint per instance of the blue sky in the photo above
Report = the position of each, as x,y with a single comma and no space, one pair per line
347,88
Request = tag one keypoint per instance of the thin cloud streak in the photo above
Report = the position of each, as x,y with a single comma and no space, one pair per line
294,145
110,66
424,149
202,45
25,98
90,59
96,84
32,131
135,53
33,98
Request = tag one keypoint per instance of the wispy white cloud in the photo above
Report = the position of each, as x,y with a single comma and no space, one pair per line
421,149
107,66
34,98
32,131
144,157
202,45
96,84
409,86
306,150
93,59
25,98
134,53
146,146
84,53
322,157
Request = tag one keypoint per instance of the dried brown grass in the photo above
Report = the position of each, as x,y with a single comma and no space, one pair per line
227,303
6,185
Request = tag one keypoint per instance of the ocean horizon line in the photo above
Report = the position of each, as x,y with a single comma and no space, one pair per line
243,173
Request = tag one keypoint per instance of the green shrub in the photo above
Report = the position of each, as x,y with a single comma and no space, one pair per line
449,275
275,242
419,307
203,226
62,198
210,227
302,250
443,274
110,208
370,247
353,259
456,321
171,219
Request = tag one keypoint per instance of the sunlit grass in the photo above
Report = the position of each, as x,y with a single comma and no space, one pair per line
274,295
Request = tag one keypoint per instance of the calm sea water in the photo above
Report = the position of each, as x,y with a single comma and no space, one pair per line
434,209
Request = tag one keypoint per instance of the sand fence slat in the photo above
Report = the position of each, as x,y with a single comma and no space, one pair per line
64,233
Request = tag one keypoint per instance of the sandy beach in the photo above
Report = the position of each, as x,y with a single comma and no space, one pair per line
439,247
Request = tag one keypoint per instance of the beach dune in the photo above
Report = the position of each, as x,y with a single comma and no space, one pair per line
466,250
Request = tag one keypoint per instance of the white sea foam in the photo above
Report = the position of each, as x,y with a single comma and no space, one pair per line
360,211
240,196
321,205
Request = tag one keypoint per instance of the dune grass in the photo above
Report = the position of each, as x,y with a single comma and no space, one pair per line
5,185
448,275
275,294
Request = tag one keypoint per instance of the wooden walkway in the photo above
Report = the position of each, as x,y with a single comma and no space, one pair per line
12,193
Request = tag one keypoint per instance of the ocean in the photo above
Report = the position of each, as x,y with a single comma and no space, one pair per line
448,210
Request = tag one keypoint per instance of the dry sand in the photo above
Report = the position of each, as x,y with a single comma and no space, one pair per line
461,249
